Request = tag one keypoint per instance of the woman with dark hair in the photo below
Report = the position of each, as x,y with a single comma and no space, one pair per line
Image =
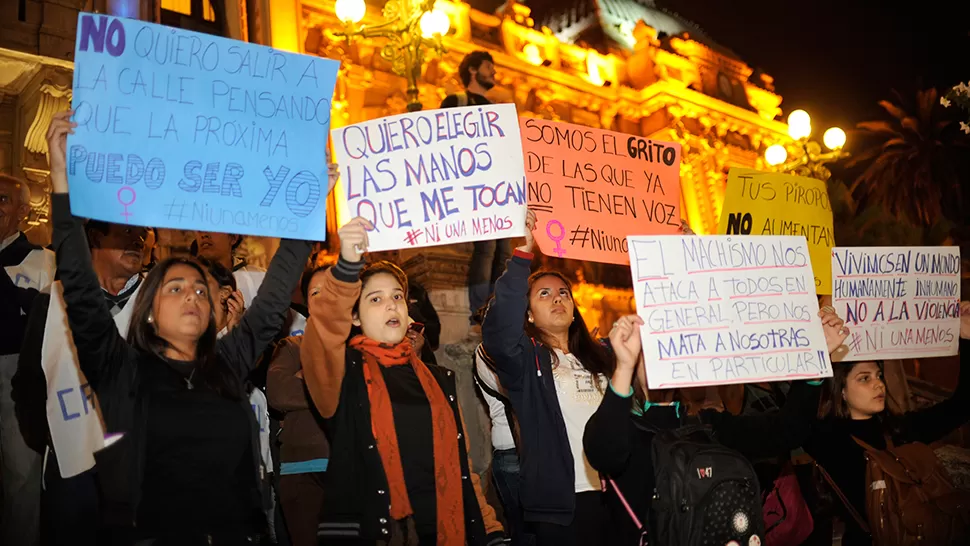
854,406
618,438
556,375
399,470
304,451
186,469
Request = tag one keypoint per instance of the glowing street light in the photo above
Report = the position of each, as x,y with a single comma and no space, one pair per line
808,158
350,11
799,124
834,138
434,22
776,154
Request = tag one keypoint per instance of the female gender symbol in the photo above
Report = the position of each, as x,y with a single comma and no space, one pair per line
559,250
126,214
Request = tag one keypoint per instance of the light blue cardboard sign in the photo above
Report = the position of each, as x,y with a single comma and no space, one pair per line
183,130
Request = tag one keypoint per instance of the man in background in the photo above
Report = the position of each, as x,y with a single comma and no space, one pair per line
28,269
477,73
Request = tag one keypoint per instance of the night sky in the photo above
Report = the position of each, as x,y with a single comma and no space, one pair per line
836,59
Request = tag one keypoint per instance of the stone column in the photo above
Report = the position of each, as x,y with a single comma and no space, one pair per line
443,272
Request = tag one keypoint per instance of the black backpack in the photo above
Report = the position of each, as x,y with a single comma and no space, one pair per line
705,493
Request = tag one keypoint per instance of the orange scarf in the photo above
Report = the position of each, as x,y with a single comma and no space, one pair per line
448,483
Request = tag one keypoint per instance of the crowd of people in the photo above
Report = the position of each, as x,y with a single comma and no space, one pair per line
303,405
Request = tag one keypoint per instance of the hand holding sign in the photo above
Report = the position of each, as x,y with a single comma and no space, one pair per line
61,126
530,224
834,329
626,342
353,239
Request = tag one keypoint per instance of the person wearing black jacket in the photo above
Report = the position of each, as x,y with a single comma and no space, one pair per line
398,472
69,505
618,437
854,405
187,468
556,375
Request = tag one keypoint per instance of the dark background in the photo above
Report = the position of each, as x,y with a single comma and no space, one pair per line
836,59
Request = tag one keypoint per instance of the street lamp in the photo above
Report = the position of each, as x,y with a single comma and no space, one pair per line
808,158
410,26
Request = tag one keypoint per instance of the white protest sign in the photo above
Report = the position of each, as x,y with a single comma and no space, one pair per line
899,302
434,178
727,309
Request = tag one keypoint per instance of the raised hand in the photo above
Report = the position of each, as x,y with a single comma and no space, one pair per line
353,239
61,126
834,328
625,339
530,224
236,306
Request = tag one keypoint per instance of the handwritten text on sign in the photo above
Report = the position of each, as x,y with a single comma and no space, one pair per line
185,130
727,309
899,302
592,188
757,203
433,178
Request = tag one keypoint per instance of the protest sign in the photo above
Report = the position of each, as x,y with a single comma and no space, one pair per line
757,203
592,188
184,130
434,178
898,302
727,309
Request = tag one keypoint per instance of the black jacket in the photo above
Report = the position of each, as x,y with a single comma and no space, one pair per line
356,481
15,301
357,504
547,491
831,444
618,443
122,375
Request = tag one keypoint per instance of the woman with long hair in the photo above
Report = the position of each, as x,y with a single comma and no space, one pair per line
304,451
399,472
186,469
854,406
618,438
556,375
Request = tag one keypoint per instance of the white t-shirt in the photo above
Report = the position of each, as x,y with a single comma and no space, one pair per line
501,433
580,395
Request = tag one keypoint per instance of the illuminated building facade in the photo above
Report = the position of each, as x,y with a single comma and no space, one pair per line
623,65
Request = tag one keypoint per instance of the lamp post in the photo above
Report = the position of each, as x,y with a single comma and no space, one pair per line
809,159
410,26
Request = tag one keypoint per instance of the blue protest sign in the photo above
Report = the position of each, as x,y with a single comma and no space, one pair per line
184,130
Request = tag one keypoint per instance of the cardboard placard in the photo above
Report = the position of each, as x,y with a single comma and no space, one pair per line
184,130
898,302
757,203
727,309
434,177
592,188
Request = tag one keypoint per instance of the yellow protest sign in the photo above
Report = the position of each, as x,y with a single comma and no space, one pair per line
757,203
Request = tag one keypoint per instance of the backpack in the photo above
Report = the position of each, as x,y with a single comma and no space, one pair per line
909,499
462,99
705,493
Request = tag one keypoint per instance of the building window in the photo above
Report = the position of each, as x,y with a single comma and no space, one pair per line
197,15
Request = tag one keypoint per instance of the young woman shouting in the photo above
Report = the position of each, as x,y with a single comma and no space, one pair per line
399,471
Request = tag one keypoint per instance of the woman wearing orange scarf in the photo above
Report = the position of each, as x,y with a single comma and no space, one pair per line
399,471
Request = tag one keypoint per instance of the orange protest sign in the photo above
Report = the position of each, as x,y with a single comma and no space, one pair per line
592,188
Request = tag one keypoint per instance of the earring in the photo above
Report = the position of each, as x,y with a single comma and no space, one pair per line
150,319
531,320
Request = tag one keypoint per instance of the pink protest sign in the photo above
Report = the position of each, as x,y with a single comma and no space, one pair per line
592,188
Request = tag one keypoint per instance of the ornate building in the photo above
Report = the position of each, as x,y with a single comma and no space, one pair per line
624,65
